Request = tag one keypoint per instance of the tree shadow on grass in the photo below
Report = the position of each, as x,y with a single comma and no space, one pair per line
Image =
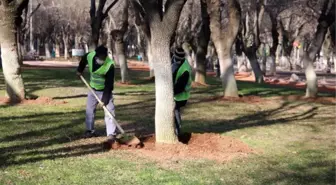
261,118
37,132
50,130
306,167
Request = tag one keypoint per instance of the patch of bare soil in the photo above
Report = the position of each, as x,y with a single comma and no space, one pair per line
40,100
198,146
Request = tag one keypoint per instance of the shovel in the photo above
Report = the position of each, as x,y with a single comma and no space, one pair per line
130,141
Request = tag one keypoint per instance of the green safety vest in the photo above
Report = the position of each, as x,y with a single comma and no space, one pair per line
97,78
186,93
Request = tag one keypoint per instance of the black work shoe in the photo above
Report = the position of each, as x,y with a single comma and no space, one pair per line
90,133
111,139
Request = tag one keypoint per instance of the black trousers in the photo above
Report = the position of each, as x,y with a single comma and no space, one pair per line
177,112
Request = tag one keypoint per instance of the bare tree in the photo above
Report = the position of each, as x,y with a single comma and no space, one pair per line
10,18
120,17
97,16
326,19
224,29
202,42
162,21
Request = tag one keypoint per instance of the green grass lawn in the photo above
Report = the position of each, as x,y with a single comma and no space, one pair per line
40,144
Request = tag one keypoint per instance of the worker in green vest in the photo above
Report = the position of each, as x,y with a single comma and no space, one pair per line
101,69
182,84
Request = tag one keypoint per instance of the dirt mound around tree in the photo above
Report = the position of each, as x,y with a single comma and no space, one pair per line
40,100
197,146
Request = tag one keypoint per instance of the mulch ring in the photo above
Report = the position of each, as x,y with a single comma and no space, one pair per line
40,100
198,146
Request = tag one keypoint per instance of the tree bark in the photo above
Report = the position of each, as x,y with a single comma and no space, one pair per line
86,48
97,16
258,74
77,41
10,57
162,26
31,28
150,60
46,49
38,46
325,21
118,37
65,44
223,41
57,50
202,46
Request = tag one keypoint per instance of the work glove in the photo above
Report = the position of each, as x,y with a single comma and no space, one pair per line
106,98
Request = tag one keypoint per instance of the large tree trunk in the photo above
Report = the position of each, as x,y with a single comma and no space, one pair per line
118,37
9,55
310,56
38,46
65,44
77,41
276,41
251,55
202,46
95,33
150,61
46,49
161,32
164,114
31,28
57,50
110,45
86,48
223,39
226,71
18,43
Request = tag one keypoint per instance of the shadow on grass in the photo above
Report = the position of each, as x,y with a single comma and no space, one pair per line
261,118
70,97
40,131
56,129
306,167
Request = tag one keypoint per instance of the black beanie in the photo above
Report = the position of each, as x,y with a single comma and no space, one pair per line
179,54
102,50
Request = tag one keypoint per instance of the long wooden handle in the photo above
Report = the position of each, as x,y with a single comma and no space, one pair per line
102,104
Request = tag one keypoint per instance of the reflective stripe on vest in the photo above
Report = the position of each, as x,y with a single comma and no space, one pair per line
97,78
185,67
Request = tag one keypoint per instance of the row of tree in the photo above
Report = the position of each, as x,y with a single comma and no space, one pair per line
253,31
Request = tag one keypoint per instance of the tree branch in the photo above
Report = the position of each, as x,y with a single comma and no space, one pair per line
138,8
93,9
19,3
110,7
37,7
101,6
172,14
151,9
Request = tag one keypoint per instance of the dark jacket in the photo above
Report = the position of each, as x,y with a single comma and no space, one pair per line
109,77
